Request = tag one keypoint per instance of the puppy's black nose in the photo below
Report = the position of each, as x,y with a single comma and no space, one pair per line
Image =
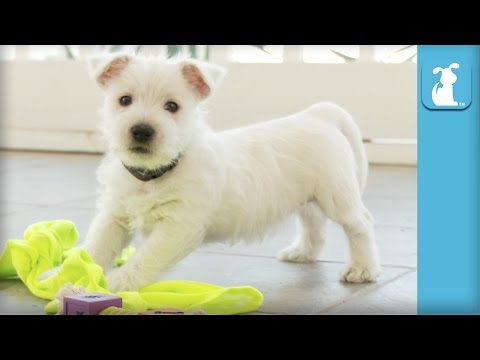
142,132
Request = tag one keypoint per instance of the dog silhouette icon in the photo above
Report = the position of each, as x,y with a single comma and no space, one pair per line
443,96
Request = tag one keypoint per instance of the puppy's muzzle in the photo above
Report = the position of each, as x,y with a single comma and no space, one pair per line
142,133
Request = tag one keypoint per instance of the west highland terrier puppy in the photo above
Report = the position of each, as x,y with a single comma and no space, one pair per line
169,176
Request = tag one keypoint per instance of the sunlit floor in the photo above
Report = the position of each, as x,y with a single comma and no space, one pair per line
44,186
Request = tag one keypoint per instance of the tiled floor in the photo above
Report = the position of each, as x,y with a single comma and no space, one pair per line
40,186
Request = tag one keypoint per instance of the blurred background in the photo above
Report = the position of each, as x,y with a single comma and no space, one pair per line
50,103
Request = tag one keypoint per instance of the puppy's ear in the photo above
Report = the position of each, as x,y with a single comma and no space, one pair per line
202,77
105,68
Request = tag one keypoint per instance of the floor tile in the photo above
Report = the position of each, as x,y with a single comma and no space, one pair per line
39,190
397,297
397,246
46,186
383,179
10,208
31,181
16,299
393,212
86,203
287,288
13,226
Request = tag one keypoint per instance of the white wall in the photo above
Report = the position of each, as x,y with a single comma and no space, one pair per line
54,105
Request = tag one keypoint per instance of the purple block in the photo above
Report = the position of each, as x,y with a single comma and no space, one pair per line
89,304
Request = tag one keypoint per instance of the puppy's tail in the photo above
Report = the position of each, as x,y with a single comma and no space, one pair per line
344,122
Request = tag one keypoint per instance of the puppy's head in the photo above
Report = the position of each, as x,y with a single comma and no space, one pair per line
151,106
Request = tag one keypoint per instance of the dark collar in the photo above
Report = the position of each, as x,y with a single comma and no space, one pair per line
147,175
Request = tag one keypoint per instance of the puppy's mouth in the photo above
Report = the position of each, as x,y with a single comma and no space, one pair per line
140,150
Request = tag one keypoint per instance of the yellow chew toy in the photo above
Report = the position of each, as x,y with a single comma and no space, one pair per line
113,310
45,260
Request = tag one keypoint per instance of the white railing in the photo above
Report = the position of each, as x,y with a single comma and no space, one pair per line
226,53
53,105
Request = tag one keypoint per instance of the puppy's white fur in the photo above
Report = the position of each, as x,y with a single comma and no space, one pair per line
231,184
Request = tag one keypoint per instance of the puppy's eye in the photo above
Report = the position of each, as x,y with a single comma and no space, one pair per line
126,100
171,107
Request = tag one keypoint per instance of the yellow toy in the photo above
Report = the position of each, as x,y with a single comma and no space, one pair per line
45,260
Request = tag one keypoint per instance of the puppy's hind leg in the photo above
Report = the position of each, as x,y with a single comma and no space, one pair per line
313,228
364,265
344,205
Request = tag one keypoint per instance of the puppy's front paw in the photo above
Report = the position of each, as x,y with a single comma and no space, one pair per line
295,253
121,280
359,273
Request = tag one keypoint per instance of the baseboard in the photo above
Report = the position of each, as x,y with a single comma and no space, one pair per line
91,142
37,139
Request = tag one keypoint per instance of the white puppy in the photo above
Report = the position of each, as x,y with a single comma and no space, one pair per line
168,175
